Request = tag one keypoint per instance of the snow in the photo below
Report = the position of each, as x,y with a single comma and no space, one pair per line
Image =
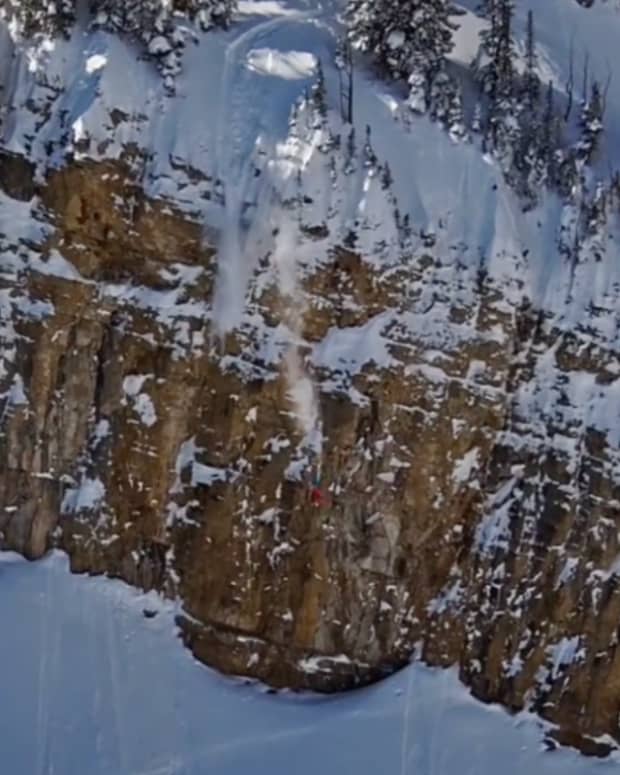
200,473
564,654
304,397
133,383
143,406
236,121
568,571
467,465
159,46
17,393
352,348
269,8
102,431
56,266
396,39
141,403
560,24
466,38
95,63
207,475
95,686
289,65
322,664
88,495
614,568
233,127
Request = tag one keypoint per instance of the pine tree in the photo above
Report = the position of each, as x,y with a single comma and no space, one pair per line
498,81
489,45
567,179
210,13
440,96
410,39
591,123
65,14
497,72
349,164
318,96
333,172
153,24
505,51
370,158
39,17
476,122
455,119
550,137
597,210
547,123
386,177
532,82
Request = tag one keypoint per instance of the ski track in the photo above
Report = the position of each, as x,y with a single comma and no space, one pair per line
247,119
116,685
240,129
44,678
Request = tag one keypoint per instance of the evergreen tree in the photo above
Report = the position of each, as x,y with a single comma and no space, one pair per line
349,164
567,172
386,177
546,146
370,158
209,13
476,122
318,96
596,216
333,171
489,45
591,123
39,17
144,20
497,70
497,76
532,82
505,57
410,39
455,119
152,23
551,139
440,96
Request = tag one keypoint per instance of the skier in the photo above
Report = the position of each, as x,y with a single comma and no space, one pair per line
317,496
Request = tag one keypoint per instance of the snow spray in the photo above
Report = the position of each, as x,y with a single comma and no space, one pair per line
302,390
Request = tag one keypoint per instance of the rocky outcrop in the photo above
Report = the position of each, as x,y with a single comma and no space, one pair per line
472,489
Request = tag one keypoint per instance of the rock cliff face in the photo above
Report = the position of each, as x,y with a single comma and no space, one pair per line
444,364
469,461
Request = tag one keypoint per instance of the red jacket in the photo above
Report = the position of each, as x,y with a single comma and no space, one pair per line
318,497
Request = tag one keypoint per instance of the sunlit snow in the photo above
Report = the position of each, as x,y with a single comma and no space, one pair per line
96,62
289,65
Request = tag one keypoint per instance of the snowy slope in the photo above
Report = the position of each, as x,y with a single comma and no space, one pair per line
226,123
84,676
91,685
